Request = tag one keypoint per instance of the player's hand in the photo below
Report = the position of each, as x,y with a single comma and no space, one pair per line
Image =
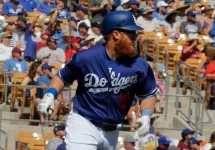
46,105
144,127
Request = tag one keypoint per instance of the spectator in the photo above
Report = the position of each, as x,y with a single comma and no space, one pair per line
171,5
44,36
11,8
124,5
129,143
190,50
83,30
181,16
210,54
44,80
80,15
98,8
29,6
206,22
197,8
212,32
31,42
147,21
163,143
186,135
56,55
20,32
63,12
16,64
34,73
59,132
211,143
58,34
46,6
89,41
73,27
171,26
159,75
161,13
150,3
5,50
75,47
210,74
191,26
194,144
134,5
9,27
96,28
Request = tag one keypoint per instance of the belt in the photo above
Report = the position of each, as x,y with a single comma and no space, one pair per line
104,126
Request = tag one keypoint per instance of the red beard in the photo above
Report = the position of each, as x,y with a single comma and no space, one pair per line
125,48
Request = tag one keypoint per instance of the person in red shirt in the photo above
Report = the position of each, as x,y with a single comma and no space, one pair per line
75,47
190,50
210,74
44,36
186,135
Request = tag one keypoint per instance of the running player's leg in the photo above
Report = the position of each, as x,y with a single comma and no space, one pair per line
81,133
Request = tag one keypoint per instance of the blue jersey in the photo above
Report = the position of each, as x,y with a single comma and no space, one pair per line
106,88
28,5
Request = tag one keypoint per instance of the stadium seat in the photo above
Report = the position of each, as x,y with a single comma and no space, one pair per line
17,92
31,99
31,139
2,88
207,93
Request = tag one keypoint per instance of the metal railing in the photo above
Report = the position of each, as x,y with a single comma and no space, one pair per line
166,62
6,138
200,105
195,92
21,144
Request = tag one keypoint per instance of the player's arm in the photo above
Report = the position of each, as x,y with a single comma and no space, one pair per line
146,93
67,75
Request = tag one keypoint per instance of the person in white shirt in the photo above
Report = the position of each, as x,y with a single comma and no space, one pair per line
80,15
123,5
147,21
5,50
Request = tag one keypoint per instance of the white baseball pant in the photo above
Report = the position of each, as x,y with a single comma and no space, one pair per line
81,134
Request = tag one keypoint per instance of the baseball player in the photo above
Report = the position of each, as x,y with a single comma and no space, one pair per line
109,76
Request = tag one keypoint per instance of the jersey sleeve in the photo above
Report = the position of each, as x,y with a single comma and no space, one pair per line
71,71
146,87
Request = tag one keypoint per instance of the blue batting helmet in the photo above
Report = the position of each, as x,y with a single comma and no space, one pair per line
119,20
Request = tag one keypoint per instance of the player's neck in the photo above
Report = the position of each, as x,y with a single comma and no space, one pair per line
110,51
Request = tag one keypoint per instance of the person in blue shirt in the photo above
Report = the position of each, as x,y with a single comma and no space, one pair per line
161,13
31,42
28,5
163,143
58,34
45,7
16,64
63,13
44,80
11,8
73,27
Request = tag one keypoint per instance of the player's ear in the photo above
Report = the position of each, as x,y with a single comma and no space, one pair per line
116,35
